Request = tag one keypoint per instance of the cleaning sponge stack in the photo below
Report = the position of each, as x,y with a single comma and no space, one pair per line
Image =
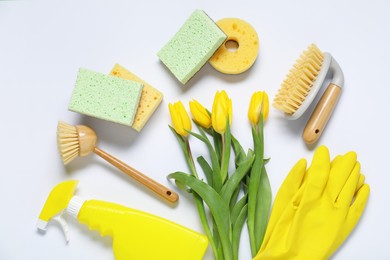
121,97
105,97
150,98
192,46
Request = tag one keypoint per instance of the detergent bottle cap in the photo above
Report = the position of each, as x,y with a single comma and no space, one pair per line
74,206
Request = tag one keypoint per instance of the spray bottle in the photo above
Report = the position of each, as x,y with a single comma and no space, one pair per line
136,235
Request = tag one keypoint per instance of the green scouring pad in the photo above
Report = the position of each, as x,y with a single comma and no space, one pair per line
192,46
105,97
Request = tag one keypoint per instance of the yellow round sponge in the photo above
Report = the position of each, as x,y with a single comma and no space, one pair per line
245,37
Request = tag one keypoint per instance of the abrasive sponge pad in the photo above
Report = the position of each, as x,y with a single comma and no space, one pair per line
192,46
150,97
105,97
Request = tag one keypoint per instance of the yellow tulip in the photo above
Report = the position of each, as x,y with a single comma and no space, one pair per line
259,104
222,111
200,114
180,119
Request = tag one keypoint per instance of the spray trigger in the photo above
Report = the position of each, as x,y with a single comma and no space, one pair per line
56,205
64,225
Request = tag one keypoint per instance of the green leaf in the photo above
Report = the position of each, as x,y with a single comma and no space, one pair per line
217,241
238,151
246,180
182,186
217,180
234,198
208,172
218,207
263,207
218,144
237,228
235,179
198,136
238,207
201,129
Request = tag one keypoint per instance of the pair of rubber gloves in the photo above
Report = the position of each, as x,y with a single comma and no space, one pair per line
315,209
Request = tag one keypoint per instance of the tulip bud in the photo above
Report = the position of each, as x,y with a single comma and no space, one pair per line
221,112
200,114
259,104
180,119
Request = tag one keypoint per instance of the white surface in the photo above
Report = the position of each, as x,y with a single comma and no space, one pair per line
43,44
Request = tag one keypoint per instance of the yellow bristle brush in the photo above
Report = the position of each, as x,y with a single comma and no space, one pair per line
301,86
81,140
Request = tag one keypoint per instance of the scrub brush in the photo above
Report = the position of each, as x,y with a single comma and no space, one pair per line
301,86
81,140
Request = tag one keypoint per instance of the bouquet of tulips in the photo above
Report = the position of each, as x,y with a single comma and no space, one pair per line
231,198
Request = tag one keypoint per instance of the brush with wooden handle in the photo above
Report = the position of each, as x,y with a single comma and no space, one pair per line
81,140
302,85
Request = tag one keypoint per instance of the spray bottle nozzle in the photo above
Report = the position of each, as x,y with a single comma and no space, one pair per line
55,206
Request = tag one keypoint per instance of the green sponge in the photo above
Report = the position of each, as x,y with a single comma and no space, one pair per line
105,97
192,46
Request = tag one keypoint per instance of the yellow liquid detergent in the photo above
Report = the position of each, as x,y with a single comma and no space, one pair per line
136,235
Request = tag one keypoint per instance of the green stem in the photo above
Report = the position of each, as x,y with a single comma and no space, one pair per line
218,207
223,165
190,159
203,219
199,201
254,184
252,201
259,193
226,148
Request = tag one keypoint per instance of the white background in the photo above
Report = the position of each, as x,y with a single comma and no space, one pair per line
43,44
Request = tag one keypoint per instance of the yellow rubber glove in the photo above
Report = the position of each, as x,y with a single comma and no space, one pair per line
312,213
293,182
361,195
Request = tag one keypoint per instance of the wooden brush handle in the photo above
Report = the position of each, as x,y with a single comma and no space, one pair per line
321,114
158,188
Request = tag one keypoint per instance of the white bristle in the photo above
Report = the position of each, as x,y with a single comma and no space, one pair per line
68,141
299,81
